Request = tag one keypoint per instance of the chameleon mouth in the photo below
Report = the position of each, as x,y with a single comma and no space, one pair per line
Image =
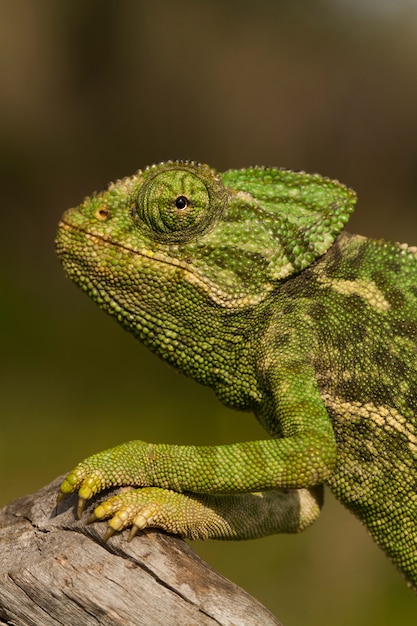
182,269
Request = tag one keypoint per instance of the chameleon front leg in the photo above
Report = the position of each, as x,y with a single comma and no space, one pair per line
184,479
180,486
202,516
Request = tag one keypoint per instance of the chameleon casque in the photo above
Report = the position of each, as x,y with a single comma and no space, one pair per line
246,281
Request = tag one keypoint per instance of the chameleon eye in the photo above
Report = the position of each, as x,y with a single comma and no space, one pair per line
177,203
181,203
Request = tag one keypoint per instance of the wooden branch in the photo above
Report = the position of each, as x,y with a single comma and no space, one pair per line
56,571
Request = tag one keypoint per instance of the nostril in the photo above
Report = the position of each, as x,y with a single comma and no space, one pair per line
102,213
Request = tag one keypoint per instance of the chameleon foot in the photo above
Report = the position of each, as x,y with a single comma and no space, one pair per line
139,509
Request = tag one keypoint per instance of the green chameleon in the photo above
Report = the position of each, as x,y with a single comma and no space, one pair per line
246,282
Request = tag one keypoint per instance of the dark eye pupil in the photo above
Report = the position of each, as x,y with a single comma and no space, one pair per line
181,202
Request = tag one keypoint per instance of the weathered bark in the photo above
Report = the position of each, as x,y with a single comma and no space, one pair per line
56,571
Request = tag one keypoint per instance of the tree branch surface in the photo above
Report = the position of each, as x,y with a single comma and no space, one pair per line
56,571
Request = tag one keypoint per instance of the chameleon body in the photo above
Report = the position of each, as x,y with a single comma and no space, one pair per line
246,281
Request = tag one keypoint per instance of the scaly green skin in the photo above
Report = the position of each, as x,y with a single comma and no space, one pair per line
245,282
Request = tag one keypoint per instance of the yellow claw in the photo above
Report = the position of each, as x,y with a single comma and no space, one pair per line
81,506
115,524
109,533
61,496
92,519
133,531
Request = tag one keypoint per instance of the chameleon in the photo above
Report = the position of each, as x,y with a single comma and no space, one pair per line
247,282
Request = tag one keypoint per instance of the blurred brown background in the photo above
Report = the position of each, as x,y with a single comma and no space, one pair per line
92,90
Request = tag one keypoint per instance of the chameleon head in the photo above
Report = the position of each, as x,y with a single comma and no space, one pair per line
179,241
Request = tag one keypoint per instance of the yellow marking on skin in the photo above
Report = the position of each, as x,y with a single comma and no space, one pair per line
385,417
361,287
223,298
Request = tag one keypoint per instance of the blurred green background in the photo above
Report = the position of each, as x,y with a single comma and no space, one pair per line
92,90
